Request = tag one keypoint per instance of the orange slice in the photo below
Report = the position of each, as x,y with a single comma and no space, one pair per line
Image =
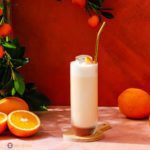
88,60
3,122
23,123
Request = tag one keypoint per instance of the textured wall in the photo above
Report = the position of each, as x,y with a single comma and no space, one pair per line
55,32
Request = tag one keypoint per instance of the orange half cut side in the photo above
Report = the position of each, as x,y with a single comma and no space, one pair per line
3,122
23,123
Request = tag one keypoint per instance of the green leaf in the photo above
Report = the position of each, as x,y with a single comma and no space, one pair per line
107,14
19,84
16,41
93,5
9,45
13,91
43,108
16,53
35,99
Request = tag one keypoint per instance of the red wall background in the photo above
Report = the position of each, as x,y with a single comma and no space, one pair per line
54,32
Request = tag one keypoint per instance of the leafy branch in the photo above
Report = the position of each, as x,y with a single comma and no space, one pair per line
96,6
95,10
11,60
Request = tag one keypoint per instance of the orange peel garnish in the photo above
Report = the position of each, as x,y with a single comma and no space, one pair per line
88,60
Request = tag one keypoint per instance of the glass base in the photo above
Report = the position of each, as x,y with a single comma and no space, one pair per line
83,131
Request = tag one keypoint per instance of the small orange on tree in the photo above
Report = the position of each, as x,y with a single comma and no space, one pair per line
93,21
96,8
5,29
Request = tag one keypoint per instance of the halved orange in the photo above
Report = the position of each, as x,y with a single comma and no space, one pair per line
3,122
23,123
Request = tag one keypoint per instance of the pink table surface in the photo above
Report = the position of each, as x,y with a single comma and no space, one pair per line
125,134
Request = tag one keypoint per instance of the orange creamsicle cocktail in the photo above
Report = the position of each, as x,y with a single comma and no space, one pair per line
84,95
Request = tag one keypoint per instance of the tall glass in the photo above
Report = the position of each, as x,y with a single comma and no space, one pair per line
84,96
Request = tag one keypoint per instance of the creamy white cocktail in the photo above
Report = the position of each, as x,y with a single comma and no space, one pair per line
84,95
84,91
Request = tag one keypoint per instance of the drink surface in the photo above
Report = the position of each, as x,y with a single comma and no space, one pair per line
84,94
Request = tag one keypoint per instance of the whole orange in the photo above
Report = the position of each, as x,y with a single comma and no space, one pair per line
93,21
10,104
134,103
5,29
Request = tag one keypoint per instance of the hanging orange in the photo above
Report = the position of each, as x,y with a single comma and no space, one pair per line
5,29
93,21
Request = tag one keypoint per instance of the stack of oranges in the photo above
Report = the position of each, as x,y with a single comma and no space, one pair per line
15,114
